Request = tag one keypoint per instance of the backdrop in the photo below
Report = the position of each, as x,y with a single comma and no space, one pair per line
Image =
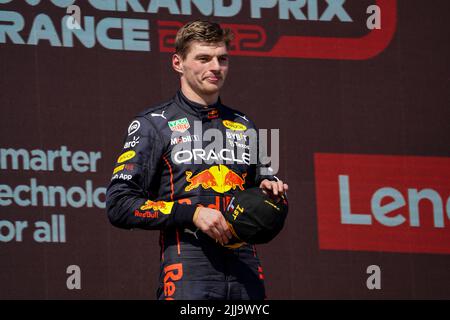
359,90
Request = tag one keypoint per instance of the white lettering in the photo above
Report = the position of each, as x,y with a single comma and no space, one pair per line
302,9
415,197
132,144
50,232
74,280
344,196
46,196
374,20
374,281
80,161
186,156
382,211
40,160
10,231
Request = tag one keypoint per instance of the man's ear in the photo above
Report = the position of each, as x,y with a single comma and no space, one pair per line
177,63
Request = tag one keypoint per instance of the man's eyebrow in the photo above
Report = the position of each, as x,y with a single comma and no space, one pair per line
201,55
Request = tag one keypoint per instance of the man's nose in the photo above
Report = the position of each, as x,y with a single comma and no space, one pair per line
215,64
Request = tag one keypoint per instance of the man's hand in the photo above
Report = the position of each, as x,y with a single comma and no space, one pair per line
273,188
212,222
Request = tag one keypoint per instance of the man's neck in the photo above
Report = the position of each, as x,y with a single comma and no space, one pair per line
201,99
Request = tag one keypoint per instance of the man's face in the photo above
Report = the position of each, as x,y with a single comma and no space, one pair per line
204,68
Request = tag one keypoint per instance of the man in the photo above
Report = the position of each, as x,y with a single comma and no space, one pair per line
167,179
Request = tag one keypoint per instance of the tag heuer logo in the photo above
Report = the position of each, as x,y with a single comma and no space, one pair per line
180,125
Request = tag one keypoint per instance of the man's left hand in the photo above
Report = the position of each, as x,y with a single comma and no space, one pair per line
275,188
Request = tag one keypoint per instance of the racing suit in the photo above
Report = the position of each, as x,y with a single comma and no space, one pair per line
165,171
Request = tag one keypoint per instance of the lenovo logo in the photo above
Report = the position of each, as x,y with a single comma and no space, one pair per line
383,203
385,214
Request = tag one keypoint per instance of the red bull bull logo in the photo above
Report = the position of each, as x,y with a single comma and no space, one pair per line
213,114
205,179
219,178
161,206
233,180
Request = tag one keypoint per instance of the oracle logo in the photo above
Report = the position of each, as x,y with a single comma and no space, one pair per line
383,203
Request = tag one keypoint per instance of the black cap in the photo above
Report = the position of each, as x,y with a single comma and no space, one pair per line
255,217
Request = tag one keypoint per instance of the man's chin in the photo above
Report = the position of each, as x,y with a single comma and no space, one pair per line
211,88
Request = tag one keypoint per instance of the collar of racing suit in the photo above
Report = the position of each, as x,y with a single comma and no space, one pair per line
203,112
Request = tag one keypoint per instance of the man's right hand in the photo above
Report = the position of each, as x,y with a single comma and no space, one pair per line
212,222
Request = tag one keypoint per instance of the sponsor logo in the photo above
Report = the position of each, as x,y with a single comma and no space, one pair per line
123,167
186,156
239,145
173,272
146,214
122,176
194,233
235,126
183,139
126,156
220,202
226,147
134,126
383,203
238,136
132,144
219,178
180,125
237,211
213,114
159,115
237,139
161,206
272,205
242,116
118,168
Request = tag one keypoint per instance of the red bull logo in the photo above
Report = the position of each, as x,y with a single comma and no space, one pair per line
172,273
213,114
205,179
146,214
233,180
161,206
219,178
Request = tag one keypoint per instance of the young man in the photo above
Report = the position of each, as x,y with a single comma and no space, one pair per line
168,179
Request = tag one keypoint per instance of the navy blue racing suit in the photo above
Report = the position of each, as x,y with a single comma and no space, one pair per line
167,169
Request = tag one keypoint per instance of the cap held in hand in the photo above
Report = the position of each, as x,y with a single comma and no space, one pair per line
254,217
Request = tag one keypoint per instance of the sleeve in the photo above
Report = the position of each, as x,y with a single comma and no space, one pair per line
128,202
